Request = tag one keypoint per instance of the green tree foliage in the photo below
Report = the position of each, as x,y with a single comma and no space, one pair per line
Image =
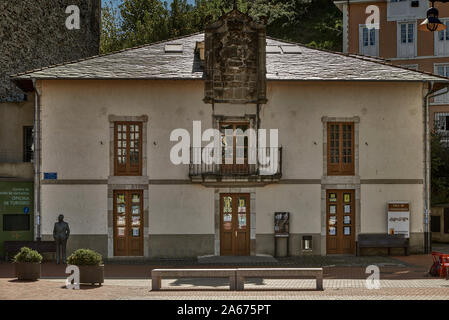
136,22
111,38
144,21
439,170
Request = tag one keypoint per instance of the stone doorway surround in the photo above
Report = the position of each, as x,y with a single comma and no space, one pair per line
340,182
252,192
128,183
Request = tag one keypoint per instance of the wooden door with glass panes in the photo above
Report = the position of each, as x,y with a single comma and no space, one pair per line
340,228
234,148
235,225
128,223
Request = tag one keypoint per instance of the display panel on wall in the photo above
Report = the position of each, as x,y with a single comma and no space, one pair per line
281,224
16,212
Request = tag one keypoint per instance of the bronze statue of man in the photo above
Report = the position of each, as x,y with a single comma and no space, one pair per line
61,233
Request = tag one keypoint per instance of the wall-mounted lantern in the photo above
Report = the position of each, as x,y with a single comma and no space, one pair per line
432,23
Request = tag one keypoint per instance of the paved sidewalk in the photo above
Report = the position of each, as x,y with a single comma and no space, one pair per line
402,277
257,289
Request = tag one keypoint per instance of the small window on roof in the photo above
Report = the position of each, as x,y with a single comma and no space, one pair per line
174,48
273,49
291,49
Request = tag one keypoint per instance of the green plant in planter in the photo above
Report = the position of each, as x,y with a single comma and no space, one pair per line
85,257
26,255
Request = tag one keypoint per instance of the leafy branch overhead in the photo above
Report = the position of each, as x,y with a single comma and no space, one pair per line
136,22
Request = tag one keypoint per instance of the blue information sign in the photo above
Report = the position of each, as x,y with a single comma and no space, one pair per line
50,175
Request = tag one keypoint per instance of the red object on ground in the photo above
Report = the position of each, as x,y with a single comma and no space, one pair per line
442,260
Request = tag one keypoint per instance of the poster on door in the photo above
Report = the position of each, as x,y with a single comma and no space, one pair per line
399,218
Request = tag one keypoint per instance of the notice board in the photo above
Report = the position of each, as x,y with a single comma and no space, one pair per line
398,218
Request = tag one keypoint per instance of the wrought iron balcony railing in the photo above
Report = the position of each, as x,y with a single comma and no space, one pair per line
270,166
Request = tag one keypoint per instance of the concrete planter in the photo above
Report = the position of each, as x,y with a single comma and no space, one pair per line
27,270
92,274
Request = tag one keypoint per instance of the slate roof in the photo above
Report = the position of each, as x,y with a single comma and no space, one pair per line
151,62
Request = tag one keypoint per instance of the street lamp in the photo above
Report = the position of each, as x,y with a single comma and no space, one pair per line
432,23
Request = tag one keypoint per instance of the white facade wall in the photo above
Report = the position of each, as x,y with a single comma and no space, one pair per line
75,144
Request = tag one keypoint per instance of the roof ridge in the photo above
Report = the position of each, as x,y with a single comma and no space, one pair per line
104,55
360,57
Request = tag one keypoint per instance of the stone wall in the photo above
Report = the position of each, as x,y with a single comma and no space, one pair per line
33,35
235,60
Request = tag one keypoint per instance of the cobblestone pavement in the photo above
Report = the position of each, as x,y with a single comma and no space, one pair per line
402,277
204,289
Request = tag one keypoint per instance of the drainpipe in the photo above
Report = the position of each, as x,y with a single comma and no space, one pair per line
427,234
37,161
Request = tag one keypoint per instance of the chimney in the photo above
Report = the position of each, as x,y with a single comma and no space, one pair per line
235,60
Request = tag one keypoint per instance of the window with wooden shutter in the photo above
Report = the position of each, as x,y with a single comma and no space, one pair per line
128,148
340,148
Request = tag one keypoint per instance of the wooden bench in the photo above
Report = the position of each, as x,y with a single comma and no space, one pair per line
284,273
13,247
157,274
382,240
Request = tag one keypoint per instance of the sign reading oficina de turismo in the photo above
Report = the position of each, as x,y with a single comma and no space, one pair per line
399,218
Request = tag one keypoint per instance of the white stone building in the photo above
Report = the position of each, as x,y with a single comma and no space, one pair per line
352,132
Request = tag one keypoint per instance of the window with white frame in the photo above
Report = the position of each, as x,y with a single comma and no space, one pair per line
442,40
406,39
441,121
441,69
368,41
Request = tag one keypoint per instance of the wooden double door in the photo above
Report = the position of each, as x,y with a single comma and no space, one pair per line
128,223
340,226
235,224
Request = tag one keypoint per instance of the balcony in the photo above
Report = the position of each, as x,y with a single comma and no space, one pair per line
399,10
239,171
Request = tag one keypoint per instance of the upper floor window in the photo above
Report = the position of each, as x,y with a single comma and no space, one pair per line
441,121
368,41
441,126
441,69
128,148
406,39
27,144
442,40
340,148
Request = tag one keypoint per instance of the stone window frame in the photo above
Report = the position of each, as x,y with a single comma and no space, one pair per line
144,120
251,118
356,121
340,182
127,168
128,183
246,118
339,167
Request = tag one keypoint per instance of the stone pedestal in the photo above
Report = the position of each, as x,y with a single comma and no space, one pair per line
281,246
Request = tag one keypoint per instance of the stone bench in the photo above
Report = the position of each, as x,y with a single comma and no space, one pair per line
157,274
382,240
273,273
